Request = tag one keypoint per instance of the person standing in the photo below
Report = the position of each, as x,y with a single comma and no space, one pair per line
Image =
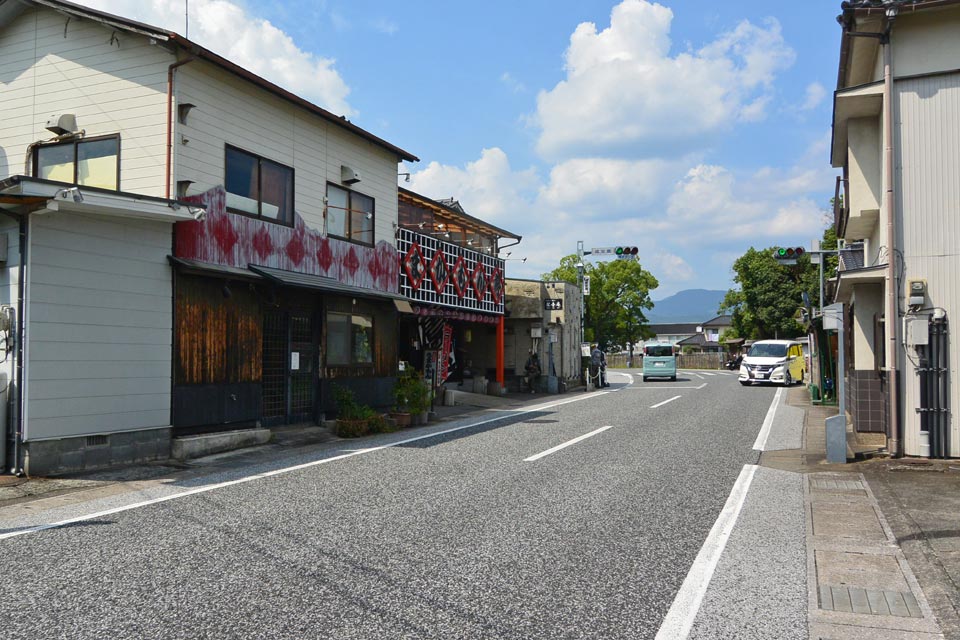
603,369
533,371
596,359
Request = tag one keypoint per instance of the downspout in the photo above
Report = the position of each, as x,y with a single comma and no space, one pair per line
16,468
892,320
170,71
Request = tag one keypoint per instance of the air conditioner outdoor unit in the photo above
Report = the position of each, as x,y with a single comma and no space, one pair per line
348,175
61,123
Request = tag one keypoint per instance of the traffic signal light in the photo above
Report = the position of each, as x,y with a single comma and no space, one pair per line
626,251
788,255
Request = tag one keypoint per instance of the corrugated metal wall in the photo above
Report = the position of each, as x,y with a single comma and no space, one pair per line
928,193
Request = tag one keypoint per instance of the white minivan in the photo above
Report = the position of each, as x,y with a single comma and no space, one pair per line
778,361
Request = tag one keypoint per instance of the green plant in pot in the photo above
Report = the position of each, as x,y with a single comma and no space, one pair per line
353,418
411,397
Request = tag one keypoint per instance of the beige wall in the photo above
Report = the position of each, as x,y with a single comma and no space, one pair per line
230,111
112,87
926,42
867,303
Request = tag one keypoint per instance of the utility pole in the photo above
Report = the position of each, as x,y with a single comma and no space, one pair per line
580,280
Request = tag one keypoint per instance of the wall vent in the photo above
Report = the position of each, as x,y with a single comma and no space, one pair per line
96,441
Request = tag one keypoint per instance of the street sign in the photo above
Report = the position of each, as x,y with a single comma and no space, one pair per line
603,251
586,285
553,304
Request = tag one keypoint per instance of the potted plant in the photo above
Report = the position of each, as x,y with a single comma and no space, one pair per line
412,399
353,418
403,393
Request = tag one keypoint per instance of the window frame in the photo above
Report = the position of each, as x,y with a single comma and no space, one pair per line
351,347
347,213
75,143
259,215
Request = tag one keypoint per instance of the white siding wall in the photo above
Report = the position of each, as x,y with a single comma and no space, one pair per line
111,87
229,111
926,42
99,333
928,194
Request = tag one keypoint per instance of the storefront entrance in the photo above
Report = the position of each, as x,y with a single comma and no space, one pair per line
290,358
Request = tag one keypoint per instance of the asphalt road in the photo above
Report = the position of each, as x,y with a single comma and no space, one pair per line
476,533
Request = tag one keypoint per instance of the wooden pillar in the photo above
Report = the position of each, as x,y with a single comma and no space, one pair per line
500,355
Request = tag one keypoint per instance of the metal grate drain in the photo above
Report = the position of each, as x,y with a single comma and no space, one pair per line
870,601
835,485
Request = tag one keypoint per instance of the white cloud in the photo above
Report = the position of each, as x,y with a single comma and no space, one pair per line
814,96
709,202
625,95
488,188
386,26
251,42
515,85
605,188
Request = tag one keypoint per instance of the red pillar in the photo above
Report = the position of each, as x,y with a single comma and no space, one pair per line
500,377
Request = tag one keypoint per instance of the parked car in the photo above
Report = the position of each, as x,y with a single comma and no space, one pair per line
777,361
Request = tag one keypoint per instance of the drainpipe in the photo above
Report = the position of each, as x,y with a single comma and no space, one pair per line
16,403
892,320
170,71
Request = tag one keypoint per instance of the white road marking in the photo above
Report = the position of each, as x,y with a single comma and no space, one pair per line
679,620
660,404
761,442
692,373
285,470
708,374
657,387
566,444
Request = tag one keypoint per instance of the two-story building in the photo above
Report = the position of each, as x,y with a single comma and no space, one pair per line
896,139
453,276
187,245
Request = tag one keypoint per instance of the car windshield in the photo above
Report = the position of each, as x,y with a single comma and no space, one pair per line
761,350
659,351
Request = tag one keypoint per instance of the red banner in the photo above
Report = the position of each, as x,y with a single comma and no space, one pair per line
445,352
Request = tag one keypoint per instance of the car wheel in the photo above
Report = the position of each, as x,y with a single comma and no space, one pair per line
745,383
787,379
645,378
673,378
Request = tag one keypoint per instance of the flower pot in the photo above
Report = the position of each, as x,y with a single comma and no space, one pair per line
352,428
402,418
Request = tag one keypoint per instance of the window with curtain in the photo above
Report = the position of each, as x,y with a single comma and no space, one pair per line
350,215
93,162
258,187
349,339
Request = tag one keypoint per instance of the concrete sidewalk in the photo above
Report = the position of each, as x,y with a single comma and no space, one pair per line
883,540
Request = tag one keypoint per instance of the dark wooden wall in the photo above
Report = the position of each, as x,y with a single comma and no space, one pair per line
218,336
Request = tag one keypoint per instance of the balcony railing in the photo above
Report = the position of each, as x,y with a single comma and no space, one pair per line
841,208
442,273
851,257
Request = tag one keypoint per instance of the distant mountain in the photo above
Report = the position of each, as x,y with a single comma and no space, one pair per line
690,305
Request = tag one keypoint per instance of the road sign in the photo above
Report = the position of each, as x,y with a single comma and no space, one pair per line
586,285
553,304
603,251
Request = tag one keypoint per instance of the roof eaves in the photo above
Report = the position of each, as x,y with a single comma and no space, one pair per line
458,213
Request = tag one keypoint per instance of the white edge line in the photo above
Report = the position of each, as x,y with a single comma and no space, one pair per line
761,442
566,444
277,472
660,404
679,619
703,385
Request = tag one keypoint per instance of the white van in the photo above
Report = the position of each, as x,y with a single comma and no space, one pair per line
778,361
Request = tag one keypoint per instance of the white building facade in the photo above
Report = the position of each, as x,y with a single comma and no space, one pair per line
896,137
98,282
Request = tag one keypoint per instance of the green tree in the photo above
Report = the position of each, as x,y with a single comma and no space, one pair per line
619,294
769,294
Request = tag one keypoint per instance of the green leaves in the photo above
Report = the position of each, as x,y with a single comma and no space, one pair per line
619,294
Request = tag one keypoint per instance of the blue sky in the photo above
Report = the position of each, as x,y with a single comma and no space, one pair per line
691,129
